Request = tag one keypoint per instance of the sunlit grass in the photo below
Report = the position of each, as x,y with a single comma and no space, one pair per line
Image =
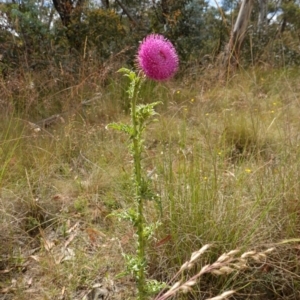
224,158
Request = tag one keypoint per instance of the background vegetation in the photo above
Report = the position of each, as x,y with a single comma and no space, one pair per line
223,157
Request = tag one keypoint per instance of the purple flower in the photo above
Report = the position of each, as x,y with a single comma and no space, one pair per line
157,57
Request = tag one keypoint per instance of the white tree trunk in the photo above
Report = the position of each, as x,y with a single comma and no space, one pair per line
232,49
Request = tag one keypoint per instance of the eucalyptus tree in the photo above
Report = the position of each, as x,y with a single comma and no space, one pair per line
232,49
262,26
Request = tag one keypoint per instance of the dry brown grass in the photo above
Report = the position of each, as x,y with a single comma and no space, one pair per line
224,159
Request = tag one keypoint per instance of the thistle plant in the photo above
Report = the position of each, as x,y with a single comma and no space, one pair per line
157,60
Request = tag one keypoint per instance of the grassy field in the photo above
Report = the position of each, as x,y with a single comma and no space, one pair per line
223,157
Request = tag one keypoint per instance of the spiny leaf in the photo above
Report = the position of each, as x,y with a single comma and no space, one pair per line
125,70
121,127
130,74
145,111
127,215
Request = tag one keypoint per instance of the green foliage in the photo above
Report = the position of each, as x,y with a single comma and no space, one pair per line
291,12
127,215
30,24
136,265
134,82
40,38
198,31
193,26
153,286
144,112
122,127
100,29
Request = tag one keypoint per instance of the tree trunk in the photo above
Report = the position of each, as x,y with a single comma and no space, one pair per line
68,9
262,14
105,4
232,49
70,14
125,10
64,9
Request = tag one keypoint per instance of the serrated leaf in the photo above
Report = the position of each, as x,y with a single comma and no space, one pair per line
127,215
124,70
130,74
153,286
121,127
145,111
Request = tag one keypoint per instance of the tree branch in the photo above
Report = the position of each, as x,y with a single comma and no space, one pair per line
127,13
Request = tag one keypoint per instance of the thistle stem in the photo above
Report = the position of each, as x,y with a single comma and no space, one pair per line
138,194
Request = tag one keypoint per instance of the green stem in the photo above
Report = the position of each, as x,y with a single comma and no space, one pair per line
138,195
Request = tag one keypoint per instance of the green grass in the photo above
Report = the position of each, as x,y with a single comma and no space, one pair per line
224,158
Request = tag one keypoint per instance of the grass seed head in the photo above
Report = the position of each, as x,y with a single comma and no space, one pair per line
269,250
222,296
248,254
226,270
224,257
233,252
175,286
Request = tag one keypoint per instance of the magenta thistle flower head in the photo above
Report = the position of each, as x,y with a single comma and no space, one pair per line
157,57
